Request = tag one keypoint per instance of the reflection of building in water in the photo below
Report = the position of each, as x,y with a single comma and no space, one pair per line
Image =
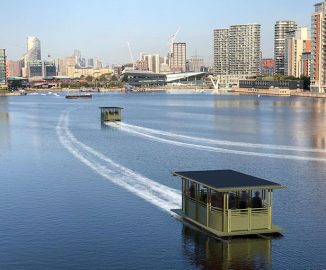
317,123
239,253
236,103
4,121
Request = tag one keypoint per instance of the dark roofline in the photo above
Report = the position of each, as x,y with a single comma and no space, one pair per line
228,180
111,108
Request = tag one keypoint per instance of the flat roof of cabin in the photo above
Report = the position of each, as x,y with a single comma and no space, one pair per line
111,108
228,180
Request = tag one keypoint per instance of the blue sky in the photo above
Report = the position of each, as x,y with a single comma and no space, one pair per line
102,28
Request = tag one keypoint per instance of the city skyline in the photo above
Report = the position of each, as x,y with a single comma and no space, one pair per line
103,29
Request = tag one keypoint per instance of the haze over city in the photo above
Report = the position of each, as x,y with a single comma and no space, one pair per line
103,28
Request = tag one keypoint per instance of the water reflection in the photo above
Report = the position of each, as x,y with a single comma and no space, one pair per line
4,123
236,103
239,253
317,123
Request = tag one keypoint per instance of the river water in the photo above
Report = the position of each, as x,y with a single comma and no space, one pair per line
79,195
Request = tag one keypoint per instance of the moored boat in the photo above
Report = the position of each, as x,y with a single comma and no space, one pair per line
83,96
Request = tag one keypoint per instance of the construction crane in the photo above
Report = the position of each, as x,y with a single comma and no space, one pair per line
171,40
131,55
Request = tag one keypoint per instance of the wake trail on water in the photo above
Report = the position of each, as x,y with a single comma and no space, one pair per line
221,142
150,134
157,194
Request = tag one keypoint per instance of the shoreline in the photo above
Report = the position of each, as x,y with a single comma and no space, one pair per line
305,94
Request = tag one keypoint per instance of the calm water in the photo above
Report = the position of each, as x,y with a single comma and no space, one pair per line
78,195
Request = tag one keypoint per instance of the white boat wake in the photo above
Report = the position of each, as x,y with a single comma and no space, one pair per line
157,194
188,142
222,142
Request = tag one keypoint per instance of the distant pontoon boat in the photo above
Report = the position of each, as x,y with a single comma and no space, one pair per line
78,96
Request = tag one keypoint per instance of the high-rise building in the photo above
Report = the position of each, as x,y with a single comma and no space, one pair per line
90,63
33,49
150,62
237,50
97,64
14,68
305,64
318,53
83,62
42,69
297,42
77,55
62,70
221,52
195,64
244,49
281,29
35,69
3,68
141,65
49,69
33,54
177,61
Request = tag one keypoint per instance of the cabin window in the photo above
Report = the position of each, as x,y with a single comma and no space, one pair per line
232,200
191,189
202,196
217,199
256,199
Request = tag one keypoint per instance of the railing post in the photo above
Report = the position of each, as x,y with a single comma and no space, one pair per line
183,195
196,199
249,219
208,206
225,211
229,220
270,208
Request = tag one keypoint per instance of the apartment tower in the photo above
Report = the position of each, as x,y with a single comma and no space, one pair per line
318,53
3,68
177,60
281,30
237,50
296,44
221,50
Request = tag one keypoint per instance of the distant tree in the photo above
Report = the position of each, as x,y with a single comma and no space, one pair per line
102,78
4,89
64,85
89,78
306,82
114,78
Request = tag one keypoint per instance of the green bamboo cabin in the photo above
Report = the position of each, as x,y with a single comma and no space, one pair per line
228,203
111,114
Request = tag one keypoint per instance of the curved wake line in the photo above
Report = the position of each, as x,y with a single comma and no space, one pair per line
223,142
215,149
157,194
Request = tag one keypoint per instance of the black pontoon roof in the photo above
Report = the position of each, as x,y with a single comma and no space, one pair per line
228,180
111,108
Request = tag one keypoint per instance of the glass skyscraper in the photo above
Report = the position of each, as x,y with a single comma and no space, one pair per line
3,69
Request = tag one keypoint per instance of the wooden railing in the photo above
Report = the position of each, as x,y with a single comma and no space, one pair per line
248,219
231,220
